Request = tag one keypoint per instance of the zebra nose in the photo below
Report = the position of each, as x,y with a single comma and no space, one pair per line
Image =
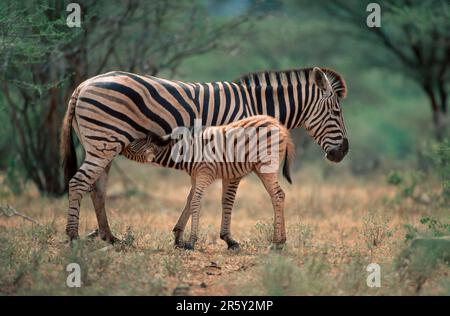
345,146
337,153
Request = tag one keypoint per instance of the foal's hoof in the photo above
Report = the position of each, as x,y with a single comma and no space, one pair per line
93,234
276,247
73,235
179,244
111,239
233,245
188,246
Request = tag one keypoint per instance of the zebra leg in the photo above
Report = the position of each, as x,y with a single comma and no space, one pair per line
98,197
82,182
201,183
229,188
270,181
182,221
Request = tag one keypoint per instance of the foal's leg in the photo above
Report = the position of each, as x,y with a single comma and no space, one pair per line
229,188
270,181
184,217
202,181
82,182
98,197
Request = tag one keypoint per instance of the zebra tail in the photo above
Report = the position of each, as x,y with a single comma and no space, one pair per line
67,147
288,158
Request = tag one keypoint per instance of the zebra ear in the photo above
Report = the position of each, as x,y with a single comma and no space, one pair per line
162,141
166,138
321,80
159,141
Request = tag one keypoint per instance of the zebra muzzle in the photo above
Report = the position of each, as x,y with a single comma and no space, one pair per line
337,153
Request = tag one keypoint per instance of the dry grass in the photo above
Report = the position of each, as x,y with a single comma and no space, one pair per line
335,229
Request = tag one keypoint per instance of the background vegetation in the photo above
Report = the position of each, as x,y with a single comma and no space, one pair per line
393,187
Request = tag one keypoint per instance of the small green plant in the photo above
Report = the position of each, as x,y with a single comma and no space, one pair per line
278,276
173,266
411,232
264,233
43,233
283,276
395,178
375,230
127,241
351,280
304,235
435,226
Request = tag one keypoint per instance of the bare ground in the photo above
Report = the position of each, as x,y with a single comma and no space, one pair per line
336,227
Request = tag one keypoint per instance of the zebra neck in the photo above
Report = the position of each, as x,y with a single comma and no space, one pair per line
283,95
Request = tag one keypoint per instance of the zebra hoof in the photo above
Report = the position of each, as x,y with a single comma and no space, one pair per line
233,245
179,244
72,234
111,239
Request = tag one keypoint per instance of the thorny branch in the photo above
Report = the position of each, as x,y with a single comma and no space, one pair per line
10,211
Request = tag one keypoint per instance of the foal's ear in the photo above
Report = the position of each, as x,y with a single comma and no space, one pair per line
166,139
161,141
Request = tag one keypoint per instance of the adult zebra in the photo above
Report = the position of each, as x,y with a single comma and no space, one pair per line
109,111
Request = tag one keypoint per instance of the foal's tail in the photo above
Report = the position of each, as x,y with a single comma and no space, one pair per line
288,158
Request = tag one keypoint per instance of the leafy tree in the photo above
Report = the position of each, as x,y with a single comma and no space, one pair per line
415,33
31,74
42,60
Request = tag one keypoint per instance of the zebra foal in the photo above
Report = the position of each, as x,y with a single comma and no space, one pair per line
230,152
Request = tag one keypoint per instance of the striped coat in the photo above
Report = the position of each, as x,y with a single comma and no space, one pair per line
110,111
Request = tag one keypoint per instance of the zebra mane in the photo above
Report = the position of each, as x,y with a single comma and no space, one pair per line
337,81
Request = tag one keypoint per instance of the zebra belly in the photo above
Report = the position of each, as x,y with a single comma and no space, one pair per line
225,170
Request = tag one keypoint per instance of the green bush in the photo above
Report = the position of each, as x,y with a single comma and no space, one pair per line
431,227
428,249
406,182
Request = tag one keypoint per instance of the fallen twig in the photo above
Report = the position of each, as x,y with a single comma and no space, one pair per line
10,211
